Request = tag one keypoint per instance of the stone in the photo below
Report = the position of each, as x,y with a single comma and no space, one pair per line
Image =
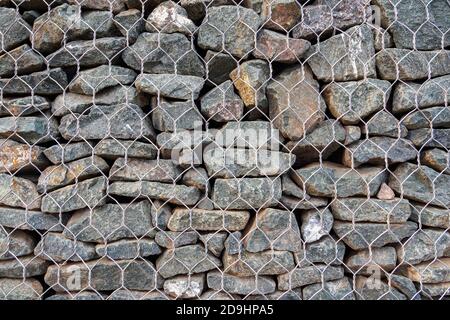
116,148
413,25
371,210
385,193
295,294
173,239
230,284
340,289
333,180
401,64
88,193
185,287
21,60
218,66
214,242
272,229
296,106
375,289
233,244
49,82
248,264
175,115
421,183
103,275
60,175
278,47
316,224
65,153
16,243
246,193
88,53
170,85
426,244
130,23
172,144
435,117
30,220
126,294
411,96
378,151
290,188
91,81
221,104
368,261
280,14
14,29
385,124
164,53
31,129
353,101
293,203
429,272
22,106
427,137
430,216
111,222
304,276
122,121
382,39
128,249
169,17
213,294
115,6
229,28
19,192
196,177
186,260
56,247
363,235
439,290
77,296
352,134
129,169
327,250
207,220
405,286
20,289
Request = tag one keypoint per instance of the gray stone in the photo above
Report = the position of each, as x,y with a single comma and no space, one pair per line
340,289
229,28
207,220
111,222
352,102
385,192
295,103
173,144
371,210
382,39
164,53
405,286
375,289
233,244
345,57
185,287
22,106
295,294
64,153
306,203
89,193
230,284
130,24
128,249
173,239
175,115
115,6
169,17
316,223
302,276
218,66
77,296
129,169
401,64
186,260
327,250
363,235
368,261
213,294
214,242
246,193
290,188
421,183
31,129
20,289
430,216
196,177
49,82
21,60
435,117
30,220
115,148
334,180
427,137
56,247
126,294
384,123
429,272
13,28
19,192
170,85
352,134
122,121
438,290
221,104
280,14
15,243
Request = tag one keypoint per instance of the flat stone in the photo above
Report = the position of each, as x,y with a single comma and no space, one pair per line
219,65
88,53
353,101
229,28
116,6
111,222
385,192
429,272
214,242
175,115
367,262
402,64
173,239
91,193
64,153
230,284
221,104
196,177
56,247
303,276
435,289
21,60
421,183
170,85
115,148
49,82
31,129
316,223
20,289
122,121
246,193
435,117
77,296
169,17
295,103
22,106
185,287
326,250
371,210
128,249
28,266
375,289
173,145
30,220
293,203
363,235
103,275
290,188
433,138
176,194
430,216
344,57
15,243
213,294
334,180
19,192
280,14
126,294
207,220
405,286
385,124
14,29
186,260
341,289
130,23
129,169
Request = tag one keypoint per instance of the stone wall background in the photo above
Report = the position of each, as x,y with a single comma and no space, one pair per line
211,149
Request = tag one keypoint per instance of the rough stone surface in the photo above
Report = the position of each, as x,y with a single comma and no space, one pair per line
221,104
20,289
185,287
173,239
175,115
170,85
13,28
340,289
365,262
115,148
21,60
316,223
160,170
19,192
169,17
128,249
303,276
240,285
15,243
430,216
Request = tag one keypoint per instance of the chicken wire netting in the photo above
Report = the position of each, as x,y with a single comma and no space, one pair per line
220,149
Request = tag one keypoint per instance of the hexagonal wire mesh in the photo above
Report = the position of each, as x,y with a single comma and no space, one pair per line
221,149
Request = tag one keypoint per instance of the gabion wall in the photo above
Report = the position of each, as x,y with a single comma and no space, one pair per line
215,149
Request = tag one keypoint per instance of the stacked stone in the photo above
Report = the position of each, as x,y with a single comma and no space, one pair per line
276,149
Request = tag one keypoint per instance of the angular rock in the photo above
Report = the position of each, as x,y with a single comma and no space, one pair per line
435,289
352,134
367,262
130,24
185,287
268,262
19,192
30,220
303,276
214,242
13,28
32,129
169,17
21,60
125,294
296,106
430,216
128,249
172,145
384,123
20,289
89,193
78,296
230,284
375,289
170,85
15,244
405,286
174,115
290,188
439,138
22,106
316,224
218,66
326,250
115,148
293,203
49,82
382,39
114,6
385,193
436,117
173,239
196,177
429,272
221,104
280,14
64,153
129,169
340,289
